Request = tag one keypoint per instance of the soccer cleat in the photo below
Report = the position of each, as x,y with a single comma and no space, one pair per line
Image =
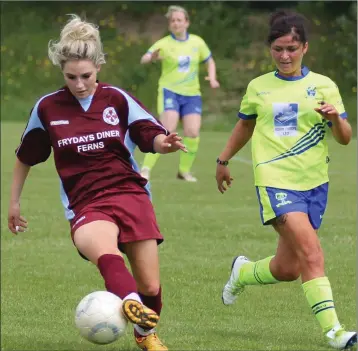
150,343
233,288
139,314
188,177
340,339
145,172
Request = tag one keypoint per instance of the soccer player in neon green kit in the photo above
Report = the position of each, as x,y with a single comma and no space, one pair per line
288,113
179,89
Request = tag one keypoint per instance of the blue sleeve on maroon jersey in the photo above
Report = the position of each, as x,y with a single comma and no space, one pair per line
143,132
35,146
143,127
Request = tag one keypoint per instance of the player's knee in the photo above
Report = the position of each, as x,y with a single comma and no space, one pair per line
313,258
191,133
149,288
170,128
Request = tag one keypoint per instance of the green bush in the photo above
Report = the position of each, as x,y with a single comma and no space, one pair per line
235,33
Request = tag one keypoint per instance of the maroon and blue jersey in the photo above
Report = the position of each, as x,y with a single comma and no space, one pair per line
93,141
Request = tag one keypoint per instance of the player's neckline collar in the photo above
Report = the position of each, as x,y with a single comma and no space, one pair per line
175,38
87,98
304,72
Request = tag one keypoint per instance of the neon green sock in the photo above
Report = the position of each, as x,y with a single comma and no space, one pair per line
319,295
187,159
150,160
257,273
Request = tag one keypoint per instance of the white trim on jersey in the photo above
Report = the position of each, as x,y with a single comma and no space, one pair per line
65,202
34,121
131,145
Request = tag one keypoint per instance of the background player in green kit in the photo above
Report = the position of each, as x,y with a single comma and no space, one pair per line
288,113
179,89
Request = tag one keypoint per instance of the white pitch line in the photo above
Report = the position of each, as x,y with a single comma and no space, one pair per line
242,160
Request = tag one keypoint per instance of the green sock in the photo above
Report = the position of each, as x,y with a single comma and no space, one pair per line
257,273
150,160
319,295
187,159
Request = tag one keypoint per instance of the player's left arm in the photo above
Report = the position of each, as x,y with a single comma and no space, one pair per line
150,136
165,144
341,129
332,109
147,132
205,56
211,77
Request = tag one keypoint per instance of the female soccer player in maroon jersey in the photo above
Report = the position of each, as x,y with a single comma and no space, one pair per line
93,129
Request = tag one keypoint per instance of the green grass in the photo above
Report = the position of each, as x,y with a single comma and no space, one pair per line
43,278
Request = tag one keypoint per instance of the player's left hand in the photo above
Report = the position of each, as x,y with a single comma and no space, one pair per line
213,82
327,111
171,143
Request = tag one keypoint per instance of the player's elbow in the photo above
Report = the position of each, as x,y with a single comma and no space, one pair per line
345,140
345,137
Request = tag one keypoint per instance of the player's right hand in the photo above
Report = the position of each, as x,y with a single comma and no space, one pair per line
156,56
16,222
223,175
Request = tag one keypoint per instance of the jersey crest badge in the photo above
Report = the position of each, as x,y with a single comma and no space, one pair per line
110,116
311,91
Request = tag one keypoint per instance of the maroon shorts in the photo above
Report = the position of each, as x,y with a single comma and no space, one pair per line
133,213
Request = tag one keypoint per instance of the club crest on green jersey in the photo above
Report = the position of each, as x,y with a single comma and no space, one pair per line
311,91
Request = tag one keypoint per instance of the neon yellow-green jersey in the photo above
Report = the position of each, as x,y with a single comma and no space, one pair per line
289,148
180,63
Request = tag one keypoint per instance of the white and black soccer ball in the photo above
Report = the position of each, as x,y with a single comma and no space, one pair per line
99,317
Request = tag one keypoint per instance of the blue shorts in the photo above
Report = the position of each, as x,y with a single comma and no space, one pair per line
275,202
184,105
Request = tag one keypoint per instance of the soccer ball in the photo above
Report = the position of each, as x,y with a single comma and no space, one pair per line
99,317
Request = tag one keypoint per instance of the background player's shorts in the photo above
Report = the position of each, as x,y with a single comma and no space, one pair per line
133,213
275,202
184,105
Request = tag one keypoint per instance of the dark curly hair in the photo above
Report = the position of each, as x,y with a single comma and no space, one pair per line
283,22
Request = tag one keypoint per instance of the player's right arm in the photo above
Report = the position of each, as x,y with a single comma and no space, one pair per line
153,54
16,222
151,57
241,134
35,147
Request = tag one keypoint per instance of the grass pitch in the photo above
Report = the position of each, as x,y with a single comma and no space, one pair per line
43,278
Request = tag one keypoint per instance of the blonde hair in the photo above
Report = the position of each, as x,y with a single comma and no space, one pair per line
175,8
79,40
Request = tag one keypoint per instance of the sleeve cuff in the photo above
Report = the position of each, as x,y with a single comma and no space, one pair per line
343,115
206,58
243,116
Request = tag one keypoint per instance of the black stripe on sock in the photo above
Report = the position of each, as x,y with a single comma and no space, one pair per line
256,274
326,308
317,304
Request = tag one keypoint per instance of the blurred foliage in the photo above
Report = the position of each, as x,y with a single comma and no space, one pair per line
234,31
